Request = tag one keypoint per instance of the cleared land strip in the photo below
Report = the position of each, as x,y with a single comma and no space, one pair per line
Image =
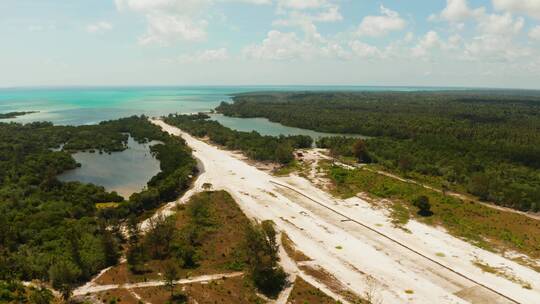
398,243
205,278
346,250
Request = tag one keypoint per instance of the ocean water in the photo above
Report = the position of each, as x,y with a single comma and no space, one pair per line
87,105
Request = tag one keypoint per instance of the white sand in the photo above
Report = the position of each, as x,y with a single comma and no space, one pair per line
351,252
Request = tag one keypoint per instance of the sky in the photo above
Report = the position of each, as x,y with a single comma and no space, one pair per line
463,43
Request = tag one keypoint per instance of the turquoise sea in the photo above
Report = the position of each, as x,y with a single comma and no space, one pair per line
89,105
128,171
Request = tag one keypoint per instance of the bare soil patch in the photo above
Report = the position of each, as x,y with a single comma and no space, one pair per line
291,249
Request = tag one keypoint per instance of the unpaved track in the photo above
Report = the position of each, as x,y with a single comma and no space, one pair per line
90,289
350,251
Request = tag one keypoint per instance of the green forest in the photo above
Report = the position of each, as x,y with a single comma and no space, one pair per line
487,144
254,145
52,231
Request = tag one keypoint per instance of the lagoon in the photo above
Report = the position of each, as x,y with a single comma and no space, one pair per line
267,127
125,172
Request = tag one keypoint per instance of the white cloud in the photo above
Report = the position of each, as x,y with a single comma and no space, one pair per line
98,27
529,7
500,24
454,42
430,41
456,10
279,46
376,26
307,22
495,37
169,20
494,48
534,33
364,50
206,56
335,50
301,4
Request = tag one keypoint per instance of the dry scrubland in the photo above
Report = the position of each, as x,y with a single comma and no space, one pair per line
222,252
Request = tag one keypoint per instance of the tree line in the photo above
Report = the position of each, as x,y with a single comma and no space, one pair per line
254,145
486,143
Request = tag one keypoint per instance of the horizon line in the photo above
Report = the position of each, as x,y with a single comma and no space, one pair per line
431,87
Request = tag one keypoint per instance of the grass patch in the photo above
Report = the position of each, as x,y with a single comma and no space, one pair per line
482,226
400,214
100,206
303,293
409,291
501,272
440,254
293,166
236,290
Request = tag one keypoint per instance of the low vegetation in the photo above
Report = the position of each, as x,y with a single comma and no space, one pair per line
486,227
15,292
303,293
252,144
208,235
485,143
501,272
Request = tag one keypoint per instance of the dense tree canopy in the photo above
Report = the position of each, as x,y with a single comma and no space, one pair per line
50,230
485,143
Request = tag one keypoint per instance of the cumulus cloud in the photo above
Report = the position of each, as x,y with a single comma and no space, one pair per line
496,33
174,20
529,7
493,48
206,56
98,27
456,11
500,24
169,20
430,41
534,33
279,46
364,50
376,26
307,22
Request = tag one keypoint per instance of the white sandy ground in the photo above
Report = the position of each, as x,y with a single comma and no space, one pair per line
352,252
100,288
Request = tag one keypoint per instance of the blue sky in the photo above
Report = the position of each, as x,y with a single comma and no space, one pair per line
487,43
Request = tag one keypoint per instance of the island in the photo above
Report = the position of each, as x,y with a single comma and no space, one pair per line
15,114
